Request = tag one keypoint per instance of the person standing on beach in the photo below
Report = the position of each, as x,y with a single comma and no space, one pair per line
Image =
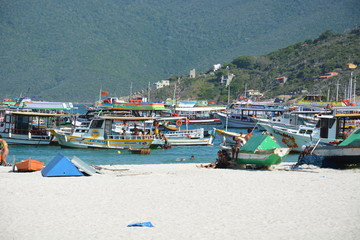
239,142
4,152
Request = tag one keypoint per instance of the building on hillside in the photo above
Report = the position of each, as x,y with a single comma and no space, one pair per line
161,84
216,67
192,73
281,79
328,75
251,93
226,79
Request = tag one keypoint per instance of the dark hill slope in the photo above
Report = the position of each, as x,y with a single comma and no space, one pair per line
68,49
302,64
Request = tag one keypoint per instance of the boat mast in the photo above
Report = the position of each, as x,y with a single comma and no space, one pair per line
175,95
130,91
148,92
337,91
350,88
354,90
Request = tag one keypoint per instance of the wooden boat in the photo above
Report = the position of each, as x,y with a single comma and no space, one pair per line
140,150
260,150
29,165
345,154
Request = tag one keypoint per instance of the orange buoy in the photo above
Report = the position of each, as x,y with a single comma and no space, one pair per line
178,123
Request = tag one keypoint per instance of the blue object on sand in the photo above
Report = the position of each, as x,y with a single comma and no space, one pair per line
60,166
142,224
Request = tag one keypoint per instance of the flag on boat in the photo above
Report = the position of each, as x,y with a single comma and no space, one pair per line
104,93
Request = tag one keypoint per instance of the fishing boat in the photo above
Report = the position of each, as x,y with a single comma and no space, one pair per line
27,127
328,129
99,134
244,116
177,136
190,137
29,165
259,150
343,155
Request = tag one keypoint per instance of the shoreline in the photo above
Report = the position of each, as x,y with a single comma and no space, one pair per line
182,202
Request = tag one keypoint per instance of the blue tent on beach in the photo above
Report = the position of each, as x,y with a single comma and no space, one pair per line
60,166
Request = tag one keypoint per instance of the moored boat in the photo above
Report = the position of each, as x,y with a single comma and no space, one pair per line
328,129
31,128
99,134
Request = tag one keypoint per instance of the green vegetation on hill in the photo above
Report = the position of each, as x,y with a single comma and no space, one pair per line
67,50
301,63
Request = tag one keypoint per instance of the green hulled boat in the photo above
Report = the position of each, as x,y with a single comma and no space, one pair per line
260,150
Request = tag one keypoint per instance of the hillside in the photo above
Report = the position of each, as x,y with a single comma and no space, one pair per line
302,64
56,50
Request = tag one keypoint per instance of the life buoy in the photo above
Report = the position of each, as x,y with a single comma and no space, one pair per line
156,123
175,114
95,133
178,123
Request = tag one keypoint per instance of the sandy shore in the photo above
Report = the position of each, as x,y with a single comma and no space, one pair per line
183,202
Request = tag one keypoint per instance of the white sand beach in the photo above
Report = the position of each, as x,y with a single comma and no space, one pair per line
182,202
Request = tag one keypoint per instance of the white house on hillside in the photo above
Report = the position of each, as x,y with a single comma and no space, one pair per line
216,67
226,79
162,84
192,73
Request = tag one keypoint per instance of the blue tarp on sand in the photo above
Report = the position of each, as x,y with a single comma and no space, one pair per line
60,166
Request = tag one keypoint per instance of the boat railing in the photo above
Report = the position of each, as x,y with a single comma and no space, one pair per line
131,137
29,131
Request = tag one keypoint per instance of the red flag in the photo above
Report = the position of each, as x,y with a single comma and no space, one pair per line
104,93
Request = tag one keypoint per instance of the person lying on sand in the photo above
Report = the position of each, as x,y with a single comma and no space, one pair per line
221,162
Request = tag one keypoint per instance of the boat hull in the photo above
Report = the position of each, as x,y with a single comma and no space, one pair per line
235,123
83,142
190,142
27,139
291,139
265,159
332,157
29,165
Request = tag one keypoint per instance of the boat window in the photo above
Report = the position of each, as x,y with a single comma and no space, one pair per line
96,123
309,131
302,131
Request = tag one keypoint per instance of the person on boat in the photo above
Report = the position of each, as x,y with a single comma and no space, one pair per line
4,152
192,157
221,162
135,130
348,132
249,134
239,142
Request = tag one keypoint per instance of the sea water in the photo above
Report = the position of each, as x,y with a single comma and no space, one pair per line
176,154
